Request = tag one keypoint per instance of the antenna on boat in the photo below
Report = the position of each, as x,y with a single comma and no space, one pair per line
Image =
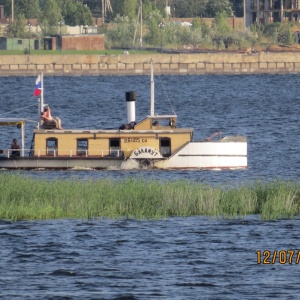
152,91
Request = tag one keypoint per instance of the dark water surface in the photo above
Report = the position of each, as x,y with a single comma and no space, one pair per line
177,258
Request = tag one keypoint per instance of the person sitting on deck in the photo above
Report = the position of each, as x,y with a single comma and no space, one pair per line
48,120
14,145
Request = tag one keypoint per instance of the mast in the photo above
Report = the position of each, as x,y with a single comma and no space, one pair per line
106,6
141,23
139,19
23,139
244,13
103,12
12,11
136,25
152,91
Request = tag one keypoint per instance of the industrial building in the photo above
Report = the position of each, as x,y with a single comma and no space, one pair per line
270,11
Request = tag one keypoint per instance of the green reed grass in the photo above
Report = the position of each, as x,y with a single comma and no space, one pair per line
27,198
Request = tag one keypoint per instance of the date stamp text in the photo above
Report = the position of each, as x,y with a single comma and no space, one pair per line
282,257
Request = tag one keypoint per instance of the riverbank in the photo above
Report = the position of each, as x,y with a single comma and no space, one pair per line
138,64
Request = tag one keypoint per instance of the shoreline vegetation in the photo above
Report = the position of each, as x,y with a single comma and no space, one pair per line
25,198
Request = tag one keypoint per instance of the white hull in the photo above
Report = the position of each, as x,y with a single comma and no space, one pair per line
207,155
194,155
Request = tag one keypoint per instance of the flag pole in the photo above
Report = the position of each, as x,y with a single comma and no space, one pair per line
41,100
42,92
152,91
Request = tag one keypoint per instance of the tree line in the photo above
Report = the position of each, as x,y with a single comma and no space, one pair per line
52,14
49,13
75,11
179,8
123,29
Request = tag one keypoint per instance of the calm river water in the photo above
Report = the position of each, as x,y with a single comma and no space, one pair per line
177,258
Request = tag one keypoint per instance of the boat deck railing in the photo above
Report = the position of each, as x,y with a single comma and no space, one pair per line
50,152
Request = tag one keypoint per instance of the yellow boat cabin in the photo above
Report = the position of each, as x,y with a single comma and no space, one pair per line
155,135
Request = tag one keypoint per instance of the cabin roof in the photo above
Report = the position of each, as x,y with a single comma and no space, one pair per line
11,121
161,117
109,131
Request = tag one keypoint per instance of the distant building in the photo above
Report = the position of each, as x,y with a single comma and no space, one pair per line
23,44
75,42
269,11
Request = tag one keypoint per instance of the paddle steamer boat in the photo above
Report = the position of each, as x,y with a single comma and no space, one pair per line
154,142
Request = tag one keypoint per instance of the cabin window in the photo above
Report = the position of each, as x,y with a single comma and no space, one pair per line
160,123
163,122
20,42
115,147
165,147
51,146
82,147
155,123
